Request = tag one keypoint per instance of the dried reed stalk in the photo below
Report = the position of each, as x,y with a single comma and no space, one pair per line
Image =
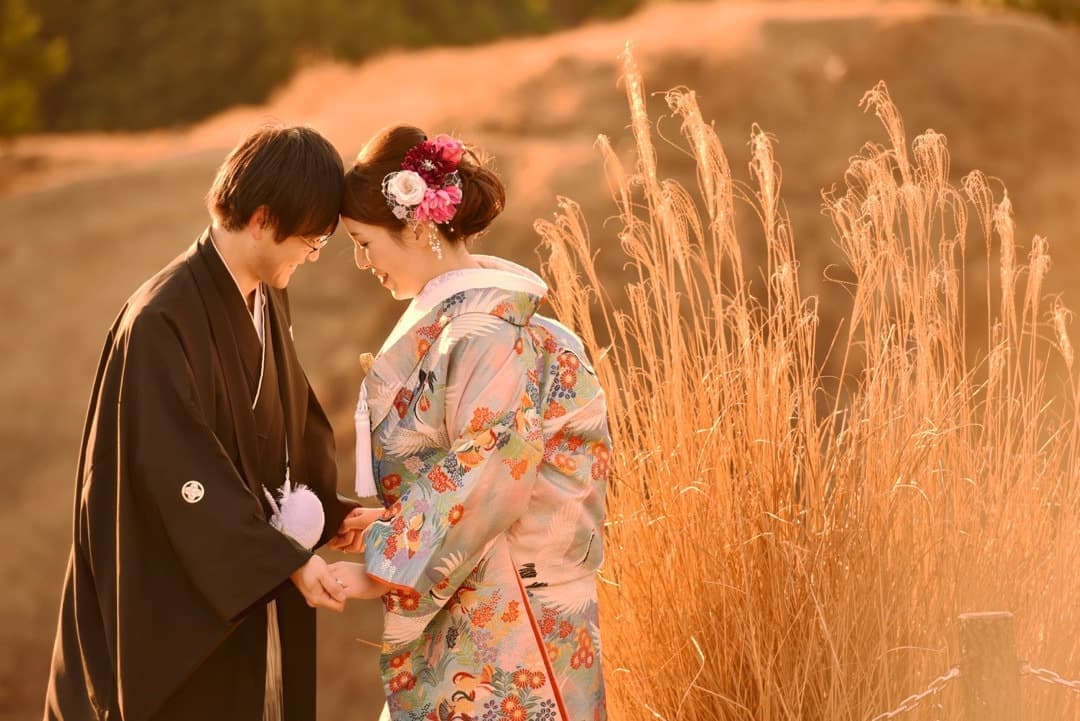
789,545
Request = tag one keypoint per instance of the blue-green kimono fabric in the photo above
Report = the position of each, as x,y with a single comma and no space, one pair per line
490,452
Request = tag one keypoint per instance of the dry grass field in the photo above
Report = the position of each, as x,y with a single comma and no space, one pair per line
855,441
789,543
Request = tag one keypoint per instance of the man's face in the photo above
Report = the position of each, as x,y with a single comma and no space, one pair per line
275,262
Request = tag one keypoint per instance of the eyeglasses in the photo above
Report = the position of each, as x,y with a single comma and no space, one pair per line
314,246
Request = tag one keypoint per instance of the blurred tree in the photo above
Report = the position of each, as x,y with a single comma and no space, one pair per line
27,64
144,63
1055,9
355,30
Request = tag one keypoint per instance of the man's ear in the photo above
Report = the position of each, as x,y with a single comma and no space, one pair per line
260,223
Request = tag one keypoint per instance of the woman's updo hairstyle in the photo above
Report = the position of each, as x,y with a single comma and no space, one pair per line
482,193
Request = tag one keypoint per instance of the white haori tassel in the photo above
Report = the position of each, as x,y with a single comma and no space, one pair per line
365,479
298,513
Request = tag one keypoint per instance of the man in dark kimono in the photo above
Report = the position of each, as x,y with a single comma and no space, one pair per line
187,595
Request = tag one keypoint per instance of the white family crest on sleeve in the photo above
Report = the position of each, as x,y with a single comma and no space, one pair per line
298,513
192,492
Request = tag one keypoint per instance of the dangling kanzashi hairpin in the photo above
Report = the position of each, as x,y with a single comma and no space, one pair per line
428,186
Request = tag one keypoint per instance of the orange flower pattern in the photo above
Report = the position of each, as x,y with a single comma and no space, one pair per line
401,401
511,613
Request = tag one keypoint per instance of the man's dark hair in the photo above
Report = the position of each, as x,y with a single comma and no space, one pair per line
295,172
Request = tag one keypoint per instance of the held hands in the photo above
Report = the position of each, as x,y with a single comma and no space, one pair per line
356,582
350,537
319,586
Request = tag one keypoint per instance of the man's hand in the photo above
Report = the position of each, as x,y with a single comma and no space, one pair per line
318,585
356,582
350,536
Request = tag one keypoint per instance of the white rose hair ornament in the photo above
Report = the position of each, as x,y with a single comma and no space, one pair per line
428,186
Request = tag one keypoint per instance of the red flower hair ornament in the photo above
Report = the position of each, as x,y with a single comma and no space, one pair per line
428,186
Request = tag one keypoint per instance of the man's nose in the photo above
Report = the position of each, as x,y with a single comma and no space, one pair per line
313,256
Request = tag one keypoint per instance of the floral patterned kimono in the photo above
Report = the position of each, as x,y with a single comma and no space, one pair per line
490,450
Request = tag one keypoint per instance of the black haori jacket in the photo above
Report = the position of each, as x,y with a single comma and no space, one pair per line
163,612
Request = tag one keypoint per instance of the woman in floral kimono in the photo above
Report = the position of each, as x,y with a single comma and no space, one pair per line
483,430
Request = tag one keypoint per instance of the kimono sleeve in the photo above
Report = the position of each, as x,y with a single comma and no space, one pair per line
177,469
479,485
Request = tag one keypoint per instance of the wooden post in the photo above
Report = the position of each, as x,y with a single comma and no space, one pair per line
989,669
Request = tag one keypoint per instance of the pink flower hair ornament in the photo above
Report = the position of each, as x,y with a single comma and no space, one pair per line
428,186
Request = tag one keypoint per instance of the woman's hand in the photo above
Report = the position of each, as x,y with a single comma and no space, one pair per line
355,581
350,536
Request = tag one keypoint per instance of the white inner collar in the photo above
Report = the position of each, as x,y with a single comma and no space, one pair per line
492,273
257,312
258,315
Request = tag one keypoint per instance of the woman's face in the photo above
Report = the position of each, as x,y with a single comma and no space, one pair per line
402,263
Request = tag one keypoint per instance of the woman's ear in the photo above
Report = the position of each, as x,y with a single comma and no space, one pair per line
415,234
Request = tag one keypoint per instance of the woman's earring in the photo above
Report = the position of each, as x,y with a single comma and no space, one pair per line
433,241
